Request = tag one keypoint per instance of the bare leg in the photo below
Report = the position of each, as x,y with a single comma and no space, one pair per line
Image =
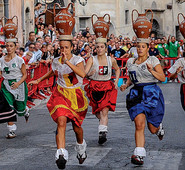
104,116
61,129
78,132
103,125
98,115
152,128
139,130
139,151
10,123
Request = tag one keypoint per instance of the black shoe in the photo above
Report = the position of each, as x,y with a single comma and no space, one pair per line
61,162
102,137
30,99
80,158
137,160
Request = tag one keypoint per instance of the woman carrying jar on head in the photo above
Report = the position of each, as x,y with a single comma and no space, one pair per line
13,87
145,100
101,91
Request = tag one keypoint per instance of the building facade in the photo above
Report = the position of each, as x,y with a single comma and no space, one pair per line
164,14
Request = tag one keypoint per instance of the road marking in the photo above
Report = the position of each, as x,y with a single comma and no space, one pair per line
161,160
167,102
94,156
13,156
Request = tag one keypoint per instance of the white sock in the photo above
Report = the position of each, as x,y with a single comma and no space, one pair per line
12,127
102,128
81,148
140,151
61,151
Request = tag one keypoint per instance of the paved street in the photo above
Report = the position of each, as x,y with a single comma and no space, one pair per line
34,147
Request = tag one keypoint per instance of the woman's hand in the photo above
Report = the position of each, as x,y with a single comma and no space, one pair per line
33,82
64,58
123,87
149,67
116,85
91,73
179,70
14,85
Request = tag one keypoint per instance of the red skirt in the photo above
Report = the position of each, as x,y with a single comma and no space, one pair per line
101,94
70,103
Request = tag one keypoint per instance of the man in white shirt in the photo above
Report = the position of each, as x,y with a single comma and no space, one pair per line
37,53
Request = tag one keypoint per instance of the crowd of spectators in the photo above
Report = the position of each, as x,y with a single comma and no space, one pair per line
43,44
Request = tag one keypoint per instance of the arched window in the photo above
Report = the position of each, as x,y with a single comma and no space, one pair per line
156,28
154,5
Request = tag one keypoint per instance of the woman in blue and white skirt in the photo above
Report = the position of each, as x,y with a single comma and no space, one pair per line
145,100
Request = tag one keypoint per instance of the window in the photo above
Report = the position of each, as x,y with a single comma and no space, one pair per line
82,24
126,16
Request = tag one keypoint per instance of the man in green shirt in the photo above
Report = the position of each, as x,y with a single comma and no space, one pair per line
163,52
163,49
174,48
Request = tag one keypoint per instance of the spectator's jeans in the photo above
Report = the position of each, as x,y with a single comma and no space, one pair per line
172,61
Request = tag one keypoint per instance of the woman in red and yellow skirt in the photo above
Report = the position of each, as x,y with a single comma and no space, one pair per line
101,91
67,103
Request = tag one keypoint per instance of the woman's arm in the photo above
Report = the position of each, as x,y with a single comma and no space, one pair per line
46,76
117,70
88,65
125,86
78,69
15,85
157,72
174,75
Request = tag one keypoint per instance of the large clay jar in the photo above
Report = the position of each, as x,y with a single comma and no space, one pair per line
64,20
101,27
10,28
181,25
142,25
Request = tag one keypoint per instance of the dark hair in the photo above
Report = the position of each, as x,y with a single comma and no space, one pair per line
38,3
47,36
31,33
72,45
38,38
37,42
44,46
146,44
31,44
104,44
22,49
86,45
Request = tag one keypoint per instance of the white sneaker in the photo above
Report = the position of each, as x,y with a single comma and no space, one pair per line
42,93
81,151
27,114
11,135
160,132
